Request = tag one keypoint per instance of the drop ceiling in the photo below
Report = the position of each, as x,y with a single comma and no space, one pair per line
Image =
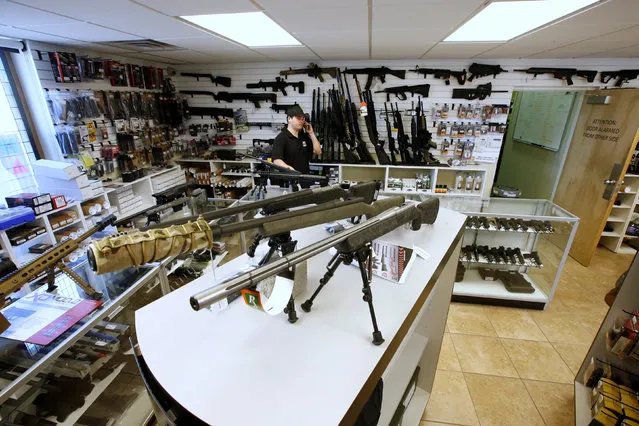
327,29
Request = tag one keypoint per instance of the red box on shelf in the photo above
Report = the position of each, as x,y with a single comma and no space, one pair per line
58,201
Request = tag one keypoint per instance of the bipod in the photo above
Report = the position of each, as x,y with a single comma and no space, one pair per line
363,256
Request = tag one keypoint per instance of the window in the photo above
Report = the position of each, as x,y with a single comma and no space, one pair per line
16,143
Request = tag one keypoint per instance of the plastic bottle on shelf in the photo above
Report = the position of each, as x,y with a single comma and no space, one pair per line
427,181
477,185
459,182
469,183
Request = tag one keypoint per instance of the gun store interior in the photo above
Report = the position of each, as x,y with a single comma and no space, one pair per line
405,213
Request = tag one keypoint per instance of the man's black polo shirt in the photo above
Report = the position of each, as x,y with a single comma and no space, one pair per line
296,152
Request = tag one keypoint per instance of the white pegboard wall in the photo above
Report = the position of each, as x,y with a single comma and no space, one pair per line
243,73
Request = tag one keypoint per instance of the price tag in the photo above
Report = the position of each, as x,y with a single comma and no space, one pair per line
363,108
394,132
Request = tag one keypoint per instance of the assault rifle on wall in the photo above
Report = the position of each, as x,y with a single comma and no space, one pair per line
313,70
400,91
483,70
224,81
622,76
256,98
562,73
380,73
442,74
353,244
277,85
481,92
281,107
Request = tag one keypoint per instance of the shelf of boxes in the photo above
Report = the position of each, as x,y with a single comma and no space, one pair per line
619,218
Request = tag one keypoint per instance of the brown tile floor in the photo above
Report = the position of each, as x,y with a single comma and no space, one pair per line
507,366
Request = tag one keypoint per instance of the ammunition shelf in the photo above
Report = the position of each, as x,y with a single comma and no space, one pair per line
75,222
483,261
494,229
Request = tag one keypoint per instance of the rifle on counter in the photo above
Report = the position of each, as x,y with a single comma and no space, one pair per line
481,92
562,73
351,244
256,98
443,74
400,91
224,81
277,85
371,123
380,73
622,76
483,70
313,70
51,260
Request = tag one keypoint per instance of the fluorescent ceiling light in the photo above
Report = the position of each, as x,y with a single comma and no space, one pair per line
253,29
502,21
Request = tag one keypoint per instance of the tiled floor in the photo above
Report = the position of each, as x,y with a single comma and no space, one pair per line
507,366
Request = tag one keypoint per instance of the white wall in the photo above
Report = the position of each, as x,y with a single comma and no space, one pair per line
242,73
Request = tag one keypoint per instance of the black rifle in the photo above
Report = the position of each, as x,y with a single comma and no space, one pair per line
197,92
622,76
484,70
371,124
256,98
481,92
562,73
376,72
340,126
224,81
313,70
391,140
190,111
443,74
400,91
276,85
402,138
364,155
282,107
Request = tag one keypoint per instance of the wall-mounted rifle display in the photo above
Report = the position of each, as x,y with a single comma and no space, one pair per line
313,70
278,85
442,74
562,73
480,92
224,81
622,76
483,70
372,73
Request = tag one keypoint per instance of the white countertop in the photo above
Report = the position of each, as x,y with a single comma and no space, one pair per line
242,367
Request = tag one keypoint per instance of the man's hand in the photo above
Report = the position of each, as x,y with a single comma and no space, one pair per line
309,128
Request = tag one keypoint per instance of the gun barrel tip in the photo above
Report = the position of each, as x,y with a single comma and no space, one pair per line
194,304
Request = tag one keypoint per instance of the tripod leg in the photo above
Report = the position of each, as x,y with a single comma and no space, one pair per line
332,266
366,273
290,310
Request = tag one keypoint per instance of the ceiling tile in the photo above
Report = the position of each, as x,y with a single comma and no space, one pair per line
121,15
333,38
103,48
198,7
324,19
433,3
155,58
398,44
288,53
244,55
582,49
626,52
511,50
32,35
444,17
614,11
309,5
187,56
458,50
83,31
350,56
201,43
18,15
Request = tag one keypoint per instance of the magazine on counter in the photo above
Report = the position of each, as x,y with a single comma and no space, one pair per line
391,261
40,317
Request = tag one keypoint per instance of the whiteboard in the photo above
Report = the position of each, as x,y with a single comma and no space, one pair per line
542,118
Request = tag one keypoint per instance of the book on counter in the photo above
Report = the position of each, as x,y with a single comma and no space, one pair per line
40,317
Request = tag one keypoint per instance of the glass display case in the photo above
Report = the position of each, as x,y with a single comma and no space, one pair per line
87,375
513,250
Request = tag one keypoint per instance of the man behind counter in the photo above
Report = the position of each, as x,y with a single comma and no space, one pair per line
295,145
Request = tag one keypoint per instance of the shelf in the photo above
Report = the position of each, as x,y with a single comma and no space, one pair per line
68,206
631,236
415,409
610,234
626,249
493,229
627,193
527,263
474,286
615,220
631,176
37,237
621,207
75,222
97,390
583,414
